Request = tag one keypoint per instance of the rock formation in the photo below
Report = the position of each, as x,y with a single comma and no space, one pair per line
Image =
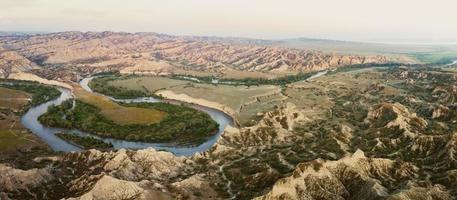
163,54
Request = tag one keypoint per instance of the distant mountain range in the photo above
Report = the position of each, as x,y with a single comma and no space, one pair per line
86,52
324,45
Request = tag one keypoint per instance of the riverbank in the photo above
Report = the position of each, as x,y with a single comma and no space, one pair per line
85,142
180,125
167,94
35,78
47,134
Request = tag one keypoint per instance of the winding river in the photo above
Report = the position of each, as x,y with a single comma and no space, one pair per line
47,134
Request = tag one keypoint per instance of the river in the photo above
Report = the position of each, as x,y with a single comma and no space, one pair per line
452,63
47,134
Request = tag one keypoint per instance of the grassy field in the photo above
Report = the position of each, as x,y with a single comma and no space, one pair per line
244,101
147,84
12,135
11,131
39,93
12,140
247,102
236,74
117,113
13,99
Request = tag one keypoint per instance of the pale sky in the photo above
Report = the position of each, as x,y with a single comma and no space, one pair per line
405,21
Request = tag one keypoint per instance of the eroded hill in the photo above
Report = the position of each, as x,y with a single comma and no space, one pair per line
386,133
68,54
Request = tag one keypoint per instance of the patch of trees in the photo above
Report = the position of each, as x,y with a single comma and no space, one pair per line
251,81
86,142
181,124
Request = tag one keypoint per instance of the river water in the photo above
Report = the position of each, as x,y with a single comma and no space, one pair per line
452,63
47,134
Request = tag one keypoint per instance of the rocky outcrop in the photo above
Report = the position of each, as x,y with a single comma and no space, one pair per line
12,62
352,177
274,128
132,165
16,180
127,174
296,151
396,115
108,187
440,111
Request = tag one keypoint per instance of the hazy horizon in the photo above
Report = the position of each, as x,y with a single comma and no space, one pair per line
390,21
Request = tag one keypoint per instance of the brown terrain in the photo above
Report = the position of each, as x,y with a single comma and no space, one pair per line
364,134
375,133
69,54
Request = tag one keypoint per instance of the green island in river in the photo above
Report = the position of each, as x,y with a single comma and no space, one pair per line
86,142
181,124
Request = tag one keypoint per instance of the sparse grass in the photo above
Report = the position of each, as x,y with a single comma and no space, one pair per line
13,99
236,74
245,101
12,140
232,96
439,57
146,84
117,113
40,93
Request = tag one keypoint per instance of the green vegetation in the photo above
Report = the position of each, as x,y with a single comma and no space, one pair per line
14,100
11,139
437,58
41,93
117,113
85,142
245,102
101,85
364,66
182,124
251,81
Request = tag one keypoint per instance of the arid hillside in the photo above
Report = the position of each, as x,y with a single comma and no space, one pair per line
377,133
163,54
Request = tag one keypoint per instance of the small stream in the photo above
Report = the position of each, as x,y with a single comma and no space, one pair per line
47,134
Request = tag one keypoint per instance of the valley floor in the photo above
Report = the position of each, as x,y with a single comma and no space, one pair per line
377,133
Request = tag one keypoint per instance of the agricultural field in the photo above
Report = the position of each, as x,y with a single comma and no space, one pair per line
119,114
